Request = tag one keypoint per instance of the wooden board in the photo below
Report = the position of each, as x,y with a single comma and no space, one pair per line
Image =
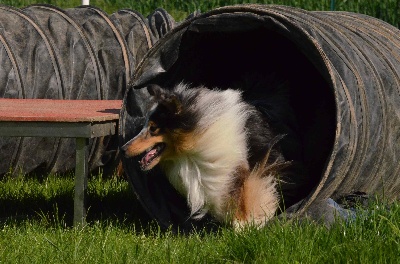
48,110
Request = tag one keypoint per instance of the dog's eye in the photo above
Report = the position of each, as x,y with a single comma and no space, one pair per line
153,128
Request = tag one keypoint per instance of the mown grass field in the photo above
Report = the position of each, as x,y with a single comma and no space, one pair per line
36,216
36,212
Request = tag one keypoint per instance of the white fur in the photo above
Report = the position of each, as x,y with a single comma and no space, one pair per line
205,174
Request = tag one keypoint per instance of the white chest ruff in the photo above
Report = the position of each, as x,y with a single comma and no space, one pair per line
205,174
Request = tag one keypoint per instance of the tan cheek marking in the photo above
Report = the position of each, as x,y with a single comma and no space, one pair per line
177,143
184,141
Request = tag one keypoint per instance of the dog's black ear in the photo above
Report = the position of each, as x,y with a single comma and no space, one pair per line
156,91
166,98
174,104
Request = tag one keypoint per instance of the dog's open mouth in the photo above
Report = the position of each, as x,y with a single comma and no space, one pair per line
150,155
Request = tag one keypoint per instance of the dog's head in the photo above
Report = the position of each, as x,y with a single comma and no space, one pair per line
165,132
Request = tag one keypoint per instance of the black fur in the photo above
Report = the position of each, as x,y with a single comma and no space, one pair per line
169,113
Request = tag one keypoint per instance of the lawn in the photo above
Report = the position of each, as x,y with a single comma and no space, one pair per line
36,217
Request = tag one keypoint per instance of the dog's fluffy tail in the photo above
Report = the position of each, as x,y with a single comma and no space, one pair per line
259,197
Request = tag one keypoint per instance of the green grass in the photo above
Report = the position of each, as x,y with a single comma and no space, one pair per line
387,10
36,227
49,199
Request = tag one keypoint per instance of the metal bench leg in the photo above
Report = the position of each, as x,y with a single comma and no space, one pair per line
81,174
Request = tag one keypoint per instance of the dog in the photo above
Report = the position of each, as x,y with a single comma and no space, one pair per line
215,149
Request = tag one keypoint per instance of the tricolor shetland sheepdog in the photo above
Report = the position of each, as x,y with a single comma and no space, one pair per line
216,150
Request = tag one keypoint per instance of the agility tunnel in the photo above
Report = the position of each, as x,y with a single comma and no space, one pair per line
77,53
342,72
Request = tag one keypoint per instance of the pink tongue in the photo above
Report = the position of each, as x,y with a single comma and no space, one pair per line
149,155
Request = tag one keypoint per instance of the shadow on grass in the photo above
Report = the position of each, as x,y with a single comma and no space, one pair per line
117,205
